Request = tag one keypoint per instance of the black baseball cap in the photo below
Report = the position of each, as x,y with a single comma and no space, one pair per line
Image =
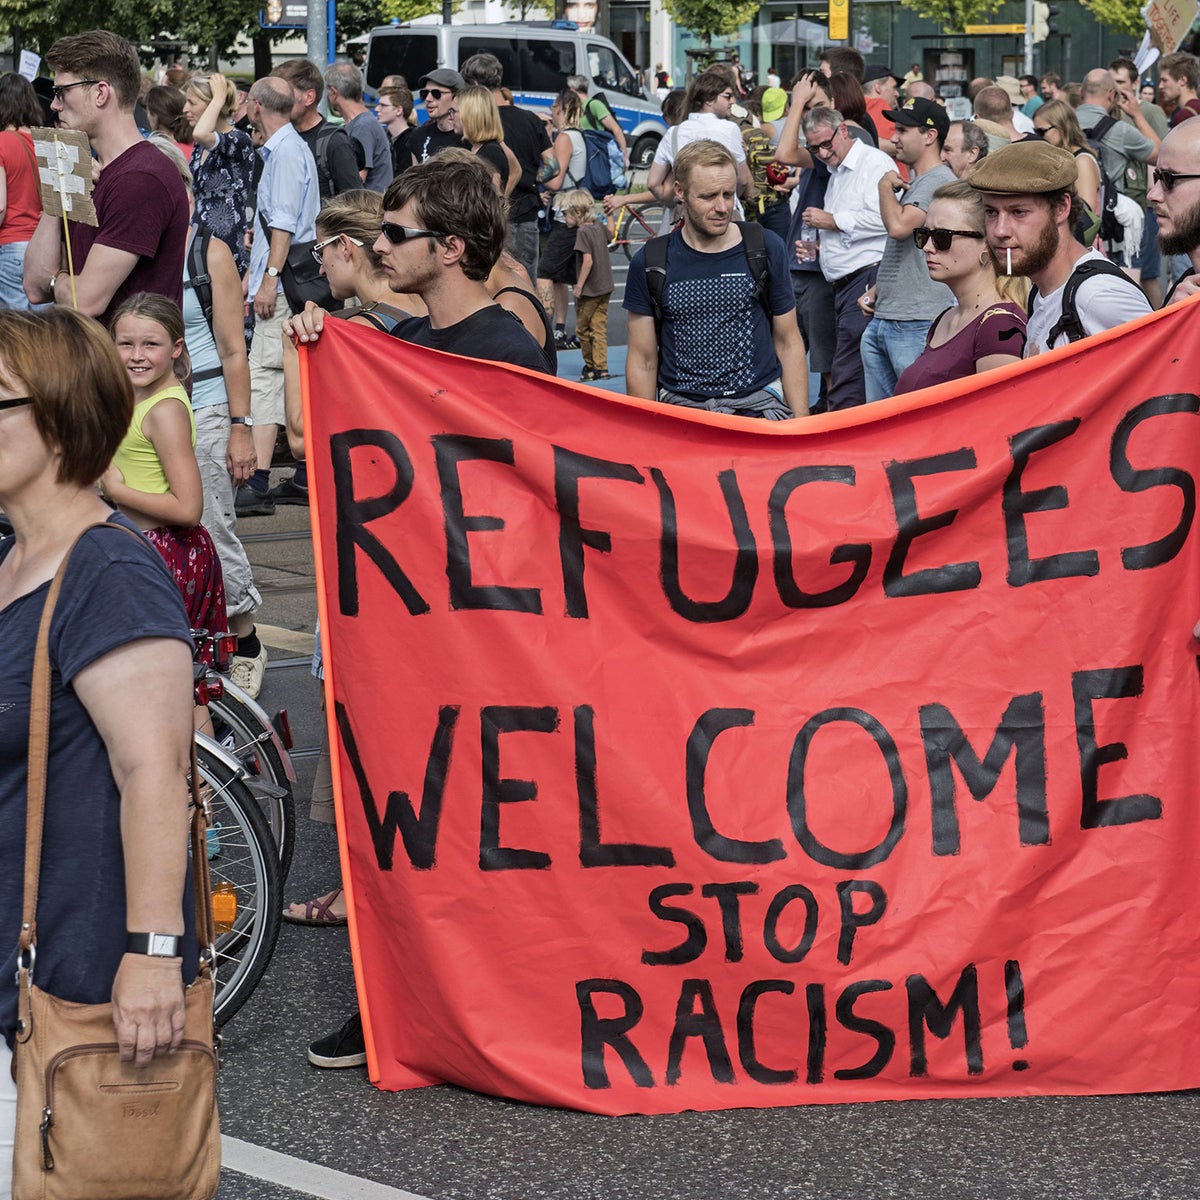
921,114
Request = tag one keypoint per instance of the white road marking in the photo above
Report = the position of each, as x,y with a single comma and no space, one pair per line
308,1178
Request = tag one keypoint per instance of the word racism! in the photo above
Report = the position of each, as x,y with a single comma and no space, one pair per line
731,766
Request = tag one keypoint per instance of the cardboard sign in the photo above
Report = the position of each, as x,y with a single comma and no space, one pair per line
64,158
693,762
1169,22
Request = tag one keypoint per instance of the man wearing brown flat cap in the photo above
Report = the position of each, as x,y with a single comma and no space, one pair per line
1028,191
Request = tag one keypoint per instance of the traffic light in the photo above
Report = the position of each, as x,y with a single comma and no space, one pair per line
1042,20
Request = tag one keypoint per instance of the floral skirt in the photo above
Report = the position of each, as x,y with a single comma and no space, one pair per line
192,559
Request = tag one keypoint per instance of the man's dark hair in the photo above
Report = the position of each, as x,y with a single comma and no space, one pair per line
705,88
1181,66
1052,79
1128,66
843,58
455,196
1032,80
99,54
483,70
303,75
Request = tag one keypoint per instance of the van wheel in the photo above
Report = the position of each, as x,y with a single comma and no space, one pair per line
642,154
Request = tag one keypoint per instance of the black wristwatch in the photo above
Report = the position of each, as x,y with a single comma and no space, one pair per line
156,945
247,421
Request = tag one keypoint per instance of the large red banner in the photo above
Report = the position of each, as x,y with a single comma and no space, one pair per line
698,762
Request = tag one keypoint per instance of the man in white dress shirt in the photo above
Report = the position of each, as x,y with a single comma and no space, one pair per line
710,98
852,236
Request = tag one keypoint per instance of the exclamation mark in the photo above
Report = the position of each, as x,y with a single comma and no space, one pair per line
1014,988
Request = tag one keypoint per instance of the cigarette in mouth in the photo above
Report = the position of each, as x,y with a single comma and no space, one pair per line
1009,252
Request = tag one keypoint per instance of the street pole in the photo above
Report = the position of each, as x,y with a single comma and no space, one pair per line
317,46
1028,37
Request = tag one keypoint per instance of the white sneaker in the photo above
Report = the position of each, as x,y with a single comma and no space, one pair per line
247,673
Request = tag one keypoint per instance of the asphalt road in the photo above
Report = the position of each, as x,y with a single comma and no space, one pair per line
293,1131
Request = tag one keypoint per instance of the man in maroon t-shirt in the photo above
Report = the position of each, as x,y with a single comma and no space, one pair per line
141,204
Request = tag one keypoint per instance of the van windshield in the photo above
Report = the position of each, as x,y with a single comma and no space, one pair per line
409,54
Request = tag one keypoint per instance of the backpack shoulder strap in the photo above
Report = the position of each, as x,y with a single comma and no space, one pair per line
198,278
656,275
1069,323
756,257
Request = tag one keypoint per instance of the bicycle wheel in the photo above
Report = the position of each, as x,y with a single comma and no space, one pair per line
246,883
641,226
242,728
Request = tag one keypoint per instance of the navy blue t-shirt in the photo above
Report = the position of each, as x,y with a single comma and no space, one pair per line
115,592
716,340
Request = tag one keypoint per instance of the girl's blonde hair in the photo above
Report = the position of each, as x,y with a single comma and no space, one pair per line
580,203
152,307
480,115
356,214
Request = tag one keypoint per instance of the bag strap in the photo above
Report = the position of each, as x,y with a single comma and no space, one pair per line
35,804
1069,322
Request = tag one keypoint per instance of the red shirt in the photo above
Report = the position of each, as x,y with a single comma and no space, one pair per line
24,203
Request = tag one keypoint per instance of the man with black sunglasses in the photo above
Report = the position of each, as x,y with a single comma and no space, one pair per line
1175,197
440,131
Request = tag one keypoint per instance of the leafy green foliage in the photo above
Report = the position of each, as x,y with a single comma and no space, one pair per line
953,15
1121,16
707,19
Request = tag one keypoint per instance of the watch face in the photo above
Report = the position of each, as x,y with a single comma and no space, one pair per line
164,944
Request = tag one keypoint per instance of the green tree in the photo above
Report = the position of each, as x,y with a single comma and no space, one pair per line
952,15
707,19
1121,16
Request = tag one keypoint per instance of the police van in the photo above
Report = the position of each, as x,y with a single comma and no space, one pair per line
537,57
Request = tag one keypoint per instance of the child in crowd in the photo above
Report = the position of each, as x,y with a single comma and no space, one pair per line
593,282
154,478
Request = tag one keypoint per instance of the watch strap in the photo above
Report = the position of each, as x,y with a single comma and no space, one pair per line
157,945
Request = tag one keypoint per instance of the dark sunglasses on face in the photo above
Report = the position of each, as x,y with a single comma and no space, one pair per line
941,238
401,233
819,147
1169,179
436,93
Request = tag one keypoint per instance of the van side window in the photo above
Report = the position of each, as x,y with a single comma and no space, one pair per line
545,64
505,49
412,56
608,71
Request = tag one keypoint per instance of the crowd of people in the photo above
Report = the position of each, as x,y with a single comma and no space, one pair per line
920,248
847,227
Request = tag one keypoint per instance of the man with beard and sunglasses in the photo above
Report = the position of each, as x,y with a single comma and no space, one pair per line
1028,192
1175,197
438,91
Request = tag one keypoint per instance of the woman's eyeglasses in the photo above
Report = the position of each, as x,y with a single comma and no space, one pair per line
16,401
318,251
401,233
941,238
1169,179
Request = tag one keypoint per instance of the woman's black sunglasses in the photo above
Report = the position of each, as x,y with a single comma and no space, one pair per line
941,238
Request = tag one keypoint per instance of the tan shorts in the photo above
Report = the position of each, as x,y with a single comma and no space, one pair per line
266,367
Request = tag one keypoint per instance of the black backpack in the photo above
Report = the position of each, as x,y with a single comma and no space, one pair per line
1069,322
753,244
321,144
1111,230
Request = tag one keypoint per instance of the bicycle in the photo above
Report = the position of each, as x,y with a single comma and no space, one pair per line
247,887
636,224
259,743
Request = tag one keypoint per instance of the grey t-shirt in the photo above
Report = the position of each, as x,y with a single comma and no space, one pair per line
366,130
906,293
1124,145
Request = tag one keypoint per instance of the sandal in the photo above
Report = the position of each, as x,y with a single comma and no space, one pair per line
316,912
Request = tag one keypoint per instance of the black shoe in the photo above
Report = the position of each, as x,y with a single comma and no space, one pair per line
289,492
344,1047
249,503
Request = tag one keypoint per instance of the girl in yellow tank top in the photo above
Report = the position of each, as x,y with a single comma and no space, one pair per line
154,479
